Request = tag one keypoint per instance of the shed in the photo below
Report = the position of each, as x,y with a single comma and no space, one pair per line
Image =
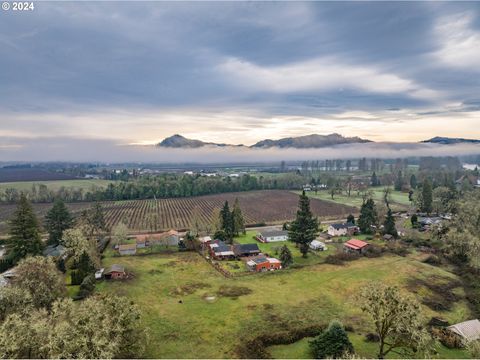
262,263
318,245
116,271
355,245
127,249
467,330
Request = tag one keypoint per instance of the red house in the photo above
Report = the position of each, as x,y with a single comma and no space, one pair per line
116,272
355,246
263,263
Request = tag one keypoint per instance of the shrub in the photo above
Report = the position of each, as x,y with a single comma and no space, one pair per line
447,338
373,251
332,343
86,287
432,260
372,337
340,257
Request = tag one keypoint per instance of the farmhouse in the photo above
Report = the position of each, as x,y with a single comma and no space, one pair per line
355,246
246,250
116,272
262,263
219,250
318,245
127,249
343,229
272,236
467,330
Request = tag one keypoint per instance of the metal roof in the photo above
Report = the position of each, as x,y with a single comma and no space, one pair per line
469,330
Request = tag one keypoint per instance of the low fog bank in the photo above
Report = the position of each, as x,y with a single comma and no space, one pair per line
92,150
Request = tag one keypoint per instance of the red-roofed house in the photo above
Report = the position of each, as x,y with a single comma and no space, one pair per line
355,245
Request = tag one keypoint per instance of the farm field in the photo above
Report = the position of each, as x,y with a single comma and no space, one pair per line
212,318
399,199
269,206
31,174
85,184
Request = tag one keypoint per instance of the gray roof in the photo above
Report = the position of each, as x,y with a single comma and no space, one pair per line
270,233
342,226
116,268
469,330
246,248
52,250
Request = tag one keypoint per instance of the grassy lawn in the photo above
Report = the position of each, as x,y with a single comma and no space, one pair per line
209,324
399,199
85,184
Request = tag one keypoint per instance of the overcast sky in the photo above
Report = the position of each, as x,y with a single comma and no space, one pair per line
239,72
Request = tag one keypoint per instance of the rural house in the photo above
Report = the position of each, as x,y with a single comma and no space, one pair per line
116,272
467,330
355,246
272,236
317,245
343,229
262,263
127,249
55,251
220,251
246,250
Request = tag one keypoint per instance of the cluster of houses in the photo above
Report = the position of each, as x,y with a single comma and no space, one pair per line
255,260
168,238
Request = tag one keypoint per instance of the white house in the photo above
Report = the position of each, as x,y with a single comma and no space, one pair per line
318,245
127,249
272,236
342,229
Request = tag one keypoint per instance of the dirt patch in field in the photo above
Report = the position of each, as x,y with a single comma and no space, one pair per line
189,288
233,292
436,292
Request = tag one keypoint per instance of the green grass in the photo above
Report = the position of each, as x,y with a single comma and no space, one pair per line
85,184
196,328
399,199
363,349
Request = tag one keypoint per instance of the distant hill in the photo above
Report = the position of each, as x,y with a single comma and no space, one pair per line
300,142
309,141
179,141
447,140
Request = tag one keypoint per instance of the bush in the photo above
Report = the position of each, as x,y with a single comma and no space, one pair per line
397,249
447,338
76,278
433,260
332,343
233,291
372,337
340,257
373,251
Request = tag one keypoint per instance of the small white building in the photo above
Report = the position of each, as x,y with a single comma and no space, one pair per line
99,274
467,330
318,245
272,236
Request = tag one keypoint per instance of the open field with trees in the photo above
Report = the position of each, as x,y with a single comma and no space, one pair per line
258,207
216,316
55,185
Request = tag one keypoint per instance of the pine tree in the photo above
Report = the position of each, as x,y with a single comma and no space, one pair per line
399,181
368,217
24,232
427,196
304,229
333,343
351,219
413,181
85,266
238,222
227,225
389,225
57,220
286,256
374,180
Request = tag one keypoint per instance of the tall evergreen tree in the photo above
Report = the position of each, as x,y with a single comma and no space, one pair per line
399,181
351,219
227,225
238,222
374,180
57,220
304,229
368,216
413,181
24,232
389,224
286,256
427,196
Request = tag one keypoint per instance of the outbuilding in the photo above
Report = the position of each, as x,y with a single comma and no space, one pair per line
116,272
267,236
317,245
127,249
467,330
355,246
